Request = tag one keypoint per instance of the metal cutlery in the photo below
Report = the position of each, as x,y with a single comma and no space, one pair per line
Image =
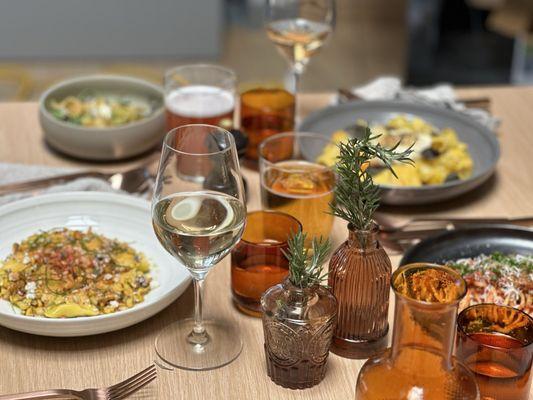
391,225
137,180
399,235
116,392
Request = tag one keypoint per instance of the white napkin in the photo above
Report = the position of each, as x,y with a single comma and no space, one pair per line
11,173
442,95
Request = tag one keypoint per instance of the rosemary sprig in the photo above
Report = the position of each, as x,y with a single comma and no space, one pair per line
356,195
306,266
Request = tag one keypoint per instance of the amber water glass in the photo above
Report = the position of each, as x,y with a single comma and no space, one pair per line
258,262
265,111
496,344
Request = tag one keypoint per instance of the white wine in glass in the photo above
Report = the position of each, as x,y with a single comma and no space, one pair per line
199,227
298,39
299,28
198,215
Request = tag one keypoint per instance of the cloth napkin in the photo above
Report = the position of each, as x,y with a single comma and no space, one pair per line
442,95
11,173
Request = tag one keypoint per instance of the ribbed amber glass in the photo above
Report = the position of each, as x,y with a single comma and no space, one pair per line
359,276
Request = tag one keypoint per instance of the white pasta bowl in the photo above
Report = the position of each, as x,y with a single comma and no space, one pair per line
117,216
106,143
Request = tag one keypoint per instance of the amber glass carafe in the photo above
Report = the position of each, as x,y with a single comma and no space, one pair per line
419,365
359,276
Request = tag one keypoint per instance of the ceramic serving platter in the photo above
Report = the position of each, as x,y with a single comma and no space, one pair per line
482,143
116,216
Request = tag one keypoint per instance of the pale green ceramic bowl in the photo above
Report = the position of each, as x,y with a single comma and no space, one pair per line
109,143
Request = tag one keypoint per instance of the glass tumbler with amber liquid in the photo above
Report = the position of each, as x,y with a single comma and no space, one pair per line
420,364
265,111
294,183
496,344
258,261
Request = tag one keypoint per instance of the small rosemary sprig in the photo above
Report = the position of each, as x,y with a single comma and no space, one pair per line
356,195
306,266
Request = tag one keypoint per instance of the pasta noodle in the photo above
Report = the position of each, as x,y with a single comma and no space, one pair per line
65,273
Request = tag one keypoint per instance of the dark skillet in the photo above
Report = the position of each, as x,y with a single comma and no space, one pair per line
471,242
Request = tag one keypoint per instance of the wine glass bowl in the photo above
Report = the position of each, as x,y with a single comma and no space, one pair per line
198,215
299,28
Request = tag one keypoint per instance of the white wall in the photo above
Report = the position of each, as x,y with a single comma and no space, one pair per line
53,29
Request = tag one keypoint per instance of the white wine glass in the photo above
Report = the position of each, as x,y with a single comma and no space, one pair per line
299,28
198,214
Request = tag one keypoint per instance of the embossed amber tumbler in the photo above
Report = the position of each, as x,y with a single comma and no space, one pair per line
359,276
298,325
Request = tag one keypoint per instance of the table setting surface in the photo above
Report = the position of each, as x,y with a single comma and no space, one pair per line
34,362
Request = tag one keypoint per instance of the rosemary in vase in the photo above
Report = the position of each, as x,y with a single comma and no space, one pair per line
356,195
306,266
360,262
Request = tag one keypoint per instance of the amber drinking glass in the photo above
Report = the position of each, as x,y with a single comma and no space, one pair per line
200,94
265,111
420,365
258,262
293,182
496,344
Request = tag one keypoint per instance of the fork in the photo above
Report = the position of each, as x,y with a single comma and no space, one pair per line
116,392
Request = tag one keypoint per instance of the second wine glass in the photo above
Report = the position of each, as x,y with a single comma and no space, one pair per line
198,214
299,28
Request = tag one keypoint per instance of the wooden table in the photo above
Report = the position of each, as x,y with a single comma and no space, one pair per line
33,362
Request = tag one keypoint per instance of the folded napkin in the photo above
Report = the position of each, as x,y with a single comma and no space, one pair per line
443,95
11,173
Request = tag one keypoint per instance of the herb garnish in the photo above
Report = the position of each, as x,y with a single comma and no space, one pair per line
356,195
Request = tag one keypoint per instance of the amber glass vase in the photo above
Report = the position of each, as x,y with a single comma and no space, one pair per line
359,276
298,326
419,365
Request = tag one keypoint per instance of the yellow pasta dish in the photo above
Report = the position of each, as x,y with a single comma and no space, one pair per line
438,154
99,111
65,273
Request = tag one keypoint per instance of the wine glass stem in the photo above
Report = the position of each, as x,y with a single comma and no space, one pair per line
296,87
198,335
296,81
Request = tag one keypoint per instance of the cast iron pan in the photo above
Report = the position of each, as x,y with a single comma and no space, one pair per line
471,242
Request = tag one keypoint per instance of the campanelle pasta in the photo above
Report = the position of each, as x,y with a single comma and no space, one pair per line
65,273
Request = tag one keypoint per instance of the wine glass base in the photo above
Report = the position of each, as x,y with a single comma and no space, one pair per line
224,345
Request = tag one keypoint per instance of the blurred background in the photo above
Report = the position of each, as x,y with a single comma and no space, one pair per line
465,42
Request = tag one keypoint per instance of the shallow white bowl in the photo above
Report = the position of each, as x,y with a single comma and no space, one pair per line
116,216
110,143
